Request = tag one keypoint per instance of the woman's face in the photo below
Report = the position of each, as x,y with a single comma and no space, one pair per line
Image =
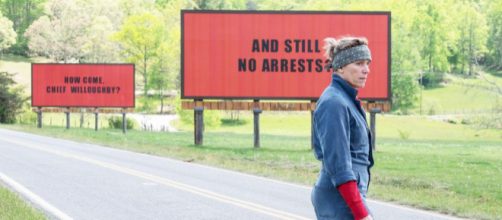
356,73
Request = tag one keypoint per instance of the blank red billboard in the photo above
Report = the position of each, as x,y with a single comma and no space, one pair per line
82,85
275,55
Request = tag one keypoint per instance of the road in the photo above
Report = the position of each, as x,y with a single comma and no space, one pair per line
70,180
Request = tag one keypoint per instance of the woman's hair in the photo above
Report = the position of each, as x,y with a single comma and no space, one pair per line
333,46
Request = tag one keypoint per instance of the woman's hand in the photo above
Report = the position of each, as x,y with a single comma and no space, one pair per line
367,218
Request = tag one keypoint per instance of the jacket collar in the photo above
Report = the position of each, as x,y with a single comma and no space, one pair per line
337,80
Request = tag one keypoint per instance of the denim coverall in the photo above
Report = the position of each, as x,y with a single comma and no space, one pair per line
342,144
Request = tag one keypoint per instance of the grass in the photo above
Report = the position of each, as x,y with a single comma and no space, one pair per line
454,177
457,164
462,95
12,207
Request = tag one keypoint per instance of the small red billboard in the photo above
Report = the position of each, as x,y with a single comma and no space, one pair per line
275,55
82,85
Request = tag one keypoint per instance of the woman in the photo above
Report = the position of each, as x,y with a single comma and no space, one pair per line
341,135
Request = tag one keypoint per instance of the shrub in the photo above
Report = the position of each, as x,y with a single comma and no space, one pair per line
432,79
404,135
233,122
116,122
146,104
404,92
11,99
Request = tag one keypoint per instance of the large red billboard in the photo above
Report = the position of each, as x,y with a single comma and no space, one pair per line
82,85
275,55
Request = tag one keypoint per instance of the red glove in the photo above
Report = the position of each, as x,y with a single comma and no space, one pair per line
352,197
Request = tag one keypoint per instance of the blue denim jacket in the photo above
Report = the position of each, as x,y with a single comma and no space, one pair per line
341,134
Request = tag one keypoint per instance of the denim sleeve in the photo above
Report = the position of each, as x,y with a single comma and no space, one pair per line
333,133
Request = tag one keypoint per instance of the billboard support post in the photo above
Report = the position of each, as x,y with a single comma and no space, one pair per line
96,112
373,112
199,125
124,122
67,112
39,117
256,117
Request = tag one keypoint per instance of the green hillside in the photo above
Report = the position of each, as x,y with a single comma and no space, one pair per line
462,95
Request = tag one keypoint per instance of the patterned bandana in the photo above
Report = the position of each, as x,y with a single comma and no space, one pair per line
350,55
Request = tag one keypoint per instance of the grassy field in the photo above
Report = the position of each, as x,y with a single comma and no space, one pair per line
12,207
457,164
462,96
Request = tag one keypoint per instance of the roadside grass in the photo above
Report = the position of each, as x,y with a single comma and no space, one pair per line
12,207
438,166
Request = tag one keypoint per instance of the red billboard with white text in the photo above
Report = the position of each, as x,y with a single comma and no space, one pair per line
82,85
275,55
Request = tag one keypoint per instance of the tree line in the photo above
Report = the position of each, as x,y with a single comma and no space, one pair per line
429,38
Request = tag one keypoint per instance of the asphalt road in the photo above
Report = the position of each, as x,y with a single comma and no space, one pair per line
70,180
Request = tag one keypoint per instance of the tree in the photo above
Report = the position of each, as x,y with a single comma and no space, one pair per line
494,56
106,18
140,36
22,13
99,48
7,34
11,99
405,89
472,39
219,4
432,27
61,33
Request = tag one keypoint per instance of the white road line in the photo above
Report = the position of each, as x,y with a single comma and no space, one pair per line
171,183
409,209
50,209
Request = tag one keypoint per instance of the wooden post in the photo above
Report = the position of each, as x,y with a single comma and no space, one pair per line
256,115
39,117
198,125
124,122
373,112
96,112
67,112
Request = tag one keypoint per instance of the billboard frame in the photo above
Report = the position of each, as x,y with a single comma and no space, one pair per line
182,72
80,106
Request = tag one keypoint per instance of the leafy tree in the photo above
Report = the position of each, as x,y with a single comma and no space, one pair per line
405,89
11,99
159,79
22,13
219,4
99,48
106,18
473,32
61,33
494,17
7,34
76,31
432,27
140,36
